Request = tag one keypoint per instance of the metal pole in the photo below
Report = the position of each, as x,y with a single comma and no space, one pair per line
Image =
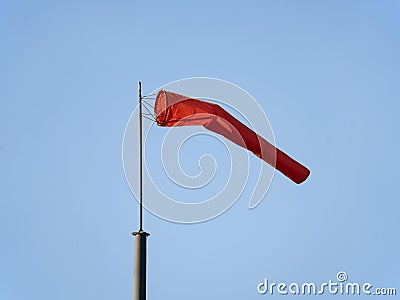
139,269
140,159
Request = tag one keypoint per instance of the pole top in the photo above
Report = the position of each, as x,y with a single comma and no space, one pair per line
140,232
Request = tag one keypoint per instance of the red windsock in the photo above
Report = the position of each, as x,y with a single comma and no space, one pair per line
172,109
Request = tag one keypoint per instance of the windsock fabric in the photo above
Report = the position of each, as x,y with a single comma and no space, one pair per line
172,109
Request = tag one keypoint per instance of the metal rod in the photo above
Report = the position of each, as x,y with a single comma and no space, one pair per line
139,268
140,159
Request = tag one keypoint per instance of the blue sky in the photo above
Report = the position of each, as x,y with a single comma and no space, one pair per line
325,72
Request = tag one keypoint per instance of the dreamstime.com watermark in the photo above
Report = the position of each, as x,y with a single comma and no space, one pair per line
340,286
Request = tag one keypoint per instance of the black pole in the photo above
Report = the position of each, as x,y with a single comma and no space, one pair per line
139,269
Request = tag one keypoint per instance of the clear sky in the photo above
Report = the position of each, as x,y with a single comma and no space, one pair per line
326,74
